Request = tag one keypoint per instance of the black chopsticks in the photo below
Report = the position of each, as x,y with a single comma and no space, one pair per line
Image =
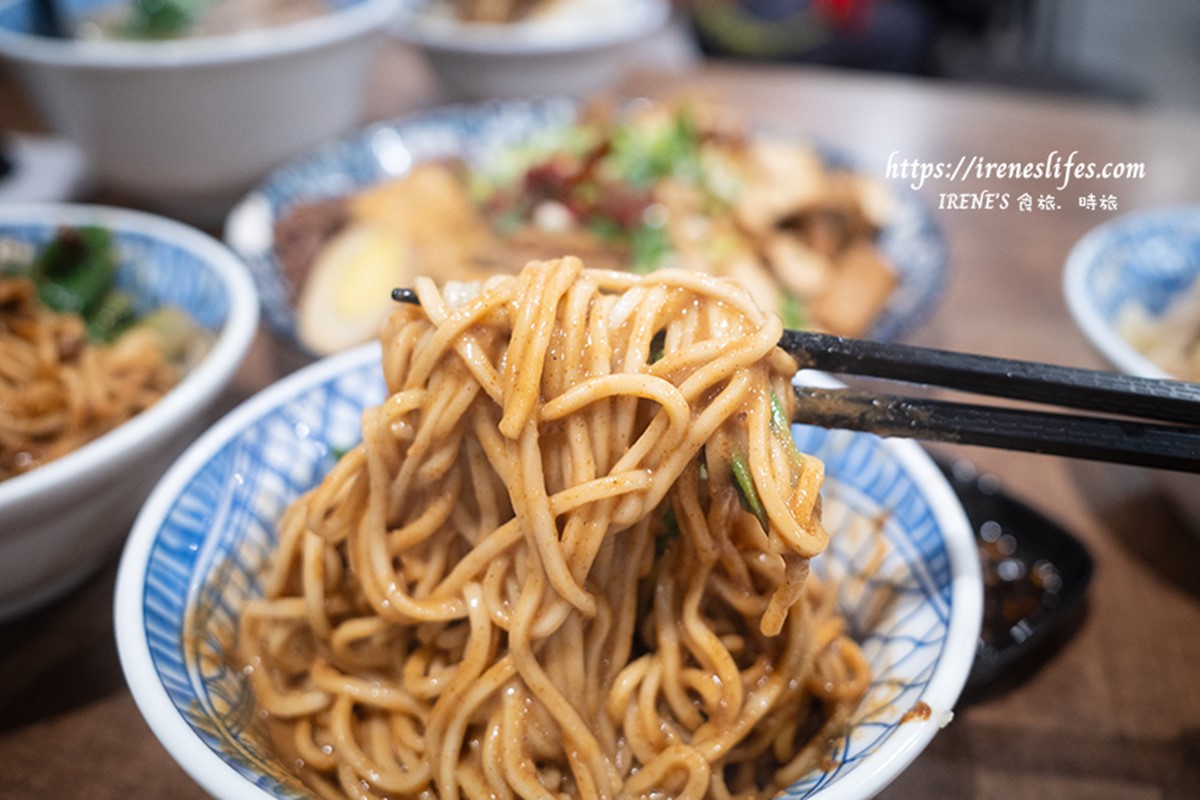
1071,387
1075,436
1124,438
1154,423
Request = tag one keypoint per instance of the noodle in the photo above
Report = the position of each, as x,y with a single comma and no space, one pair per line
536,577
57,390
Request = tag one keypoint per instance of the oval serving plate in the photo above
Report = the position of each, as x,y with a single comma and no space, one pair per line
477,134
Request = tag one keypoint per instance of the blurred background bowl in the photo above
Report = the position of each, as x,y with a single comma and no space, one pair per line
59,522
186,126
203,540
577,48
1142,263
480,134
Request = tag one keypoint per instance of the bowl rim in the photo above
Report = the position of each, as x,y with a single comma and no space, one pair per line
1084,254
172,731
942,691
185,399
530,38
337,26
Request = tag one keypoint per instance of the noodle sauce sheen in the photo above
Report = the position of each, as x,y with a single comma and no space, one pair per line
567,559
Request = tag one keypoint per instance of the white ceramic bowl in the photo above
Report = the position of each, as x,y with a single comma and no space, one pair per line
59,522
579,50
199,548
1148,260
190,125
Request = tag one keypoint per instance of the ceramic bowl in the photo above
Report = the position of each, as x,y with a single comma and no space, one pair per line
61,521
1144,261
190,125
578,47
200,545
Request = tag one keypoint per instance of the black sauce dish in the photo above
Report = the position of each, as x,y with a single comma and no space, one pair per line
1035,577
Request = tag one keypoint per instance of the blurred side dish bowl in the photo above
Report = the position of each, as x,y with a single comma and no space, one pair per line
184,109
508,48
118,331
1133,288
466,192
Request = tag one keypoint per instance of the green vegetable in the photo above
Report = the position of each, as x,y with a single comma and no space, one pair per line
658,347
643,156
648,246
781,426
339,453
162,19
792,311
779,418
75,273
76,270
747,494
114,314
669,533
605,229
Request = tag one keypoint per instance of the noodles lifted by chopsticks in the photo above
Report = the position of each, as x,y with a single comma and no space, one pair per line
58,390
570,558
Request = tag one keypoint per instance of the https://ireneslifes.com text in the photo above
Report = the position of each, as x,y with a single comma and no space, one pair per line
1044,184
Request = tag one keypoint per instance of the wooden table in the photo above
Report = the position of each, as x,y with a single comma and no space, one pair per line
1115,713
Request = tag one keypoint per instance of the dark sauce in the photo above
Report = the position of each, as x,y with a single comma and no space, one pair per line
919,712
1035,574
1020,587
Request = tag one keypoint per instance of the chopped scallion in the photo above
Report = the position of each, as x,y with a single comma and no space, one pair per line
747,494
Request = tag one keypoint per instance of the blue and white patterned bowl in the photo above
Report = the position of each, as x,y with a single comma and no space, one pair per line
478,133
1145,260
59,522
201,543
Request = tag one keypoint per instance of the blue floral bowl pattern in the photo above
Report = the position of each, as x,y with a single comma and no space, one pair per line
201,543
1146,260
155,272
60,521
478,134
